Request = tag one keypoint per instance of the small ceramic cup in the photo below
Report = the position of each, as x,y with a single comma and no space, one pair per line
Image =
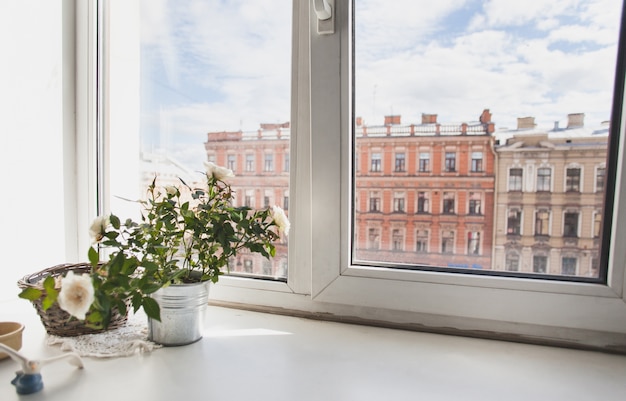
11,336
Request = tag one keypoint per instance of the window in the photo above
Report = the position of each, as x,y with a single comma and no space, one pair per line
423,202
249,163
512,262
515,179
544,179
324,135
400,162
473,243
231,162
568,266
475,201
268,166
448,202
450,162
286,163
397,240
540,264
424,163
597,224
421,241
376,163
514,222
572,180
570,224
373,238
477,162
447,242
375,201
600,177
542,222
398,202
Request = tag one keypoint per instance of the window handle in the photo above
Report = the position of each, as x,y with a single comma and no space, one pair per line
325,16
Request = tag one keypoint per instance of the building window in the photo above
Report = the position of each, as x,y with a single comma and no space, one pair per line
514,222
448,202
424,164
286,163
249,163
597,224
542,222
398,202
447,242
268,165
373,238
286,202
450,162
570,224
512,262
400,162
247,266
540,264
544,179
423,202
375,163
600,177
568,266
477,162
515,179
231,162
475,203
249,198
375,201
397,240
572,179
473,243
421,241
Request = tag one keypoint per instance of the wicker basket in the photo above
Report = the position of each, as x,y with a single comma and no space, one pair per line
57,321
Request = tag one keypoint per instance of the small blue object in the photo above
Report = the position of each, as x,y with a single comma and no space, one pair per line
27,383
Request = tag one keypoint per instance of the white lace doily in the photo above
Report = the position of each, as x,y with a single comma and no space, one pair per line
124,341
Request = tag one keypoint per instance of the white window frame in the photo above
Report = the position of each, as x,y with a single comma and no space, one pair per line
321,278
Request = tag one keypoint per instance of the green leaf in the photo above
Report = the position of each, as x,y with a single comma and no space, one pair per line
152,308
30,294
94,258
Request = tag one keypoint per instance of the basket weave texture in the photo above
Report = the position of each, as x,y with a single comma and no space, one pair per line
57,321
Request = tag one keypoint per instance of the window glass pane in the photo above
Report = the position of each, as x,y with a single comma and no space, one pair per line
502,114
213,84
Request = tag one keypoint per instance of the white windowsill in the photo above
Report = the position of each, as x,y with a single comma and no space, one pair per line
250,355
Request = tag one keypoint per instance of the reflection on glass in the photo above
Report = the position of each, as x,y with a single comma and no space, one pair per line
492,117
215,86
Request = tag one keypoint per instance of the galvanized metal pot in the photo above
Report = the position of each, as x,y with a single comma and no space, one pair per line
182,308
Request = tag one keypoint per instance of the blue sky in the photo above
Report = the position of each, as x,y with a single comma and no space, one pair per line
210,65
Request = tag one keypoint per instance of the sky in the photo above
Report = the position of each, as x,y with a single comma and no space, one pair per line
210,65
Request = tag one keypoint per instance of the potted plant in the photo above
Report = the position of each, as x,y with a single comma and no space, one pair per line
164,262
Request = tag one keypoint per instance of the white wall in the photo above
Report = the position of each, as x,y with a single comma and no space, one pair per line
32,199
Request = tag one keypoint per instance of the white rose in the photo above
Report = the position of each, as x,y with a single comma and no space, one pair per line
76,295
219,173
280,218
98,228
171,190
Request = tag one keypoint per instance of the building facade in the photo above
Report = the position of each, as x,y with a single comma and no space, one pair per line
260,161
424,193
550,195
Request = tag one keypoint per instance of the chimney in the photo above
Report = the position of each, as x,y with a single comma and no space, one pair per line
359,121
485,117
392,120
556,126
429,118
575,120
525,122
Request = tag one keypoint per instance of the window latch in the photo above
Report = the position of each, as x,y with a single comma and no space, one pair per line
325,16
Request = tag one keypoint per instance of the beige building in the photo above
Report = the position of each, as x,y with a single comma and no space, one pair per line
549,198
